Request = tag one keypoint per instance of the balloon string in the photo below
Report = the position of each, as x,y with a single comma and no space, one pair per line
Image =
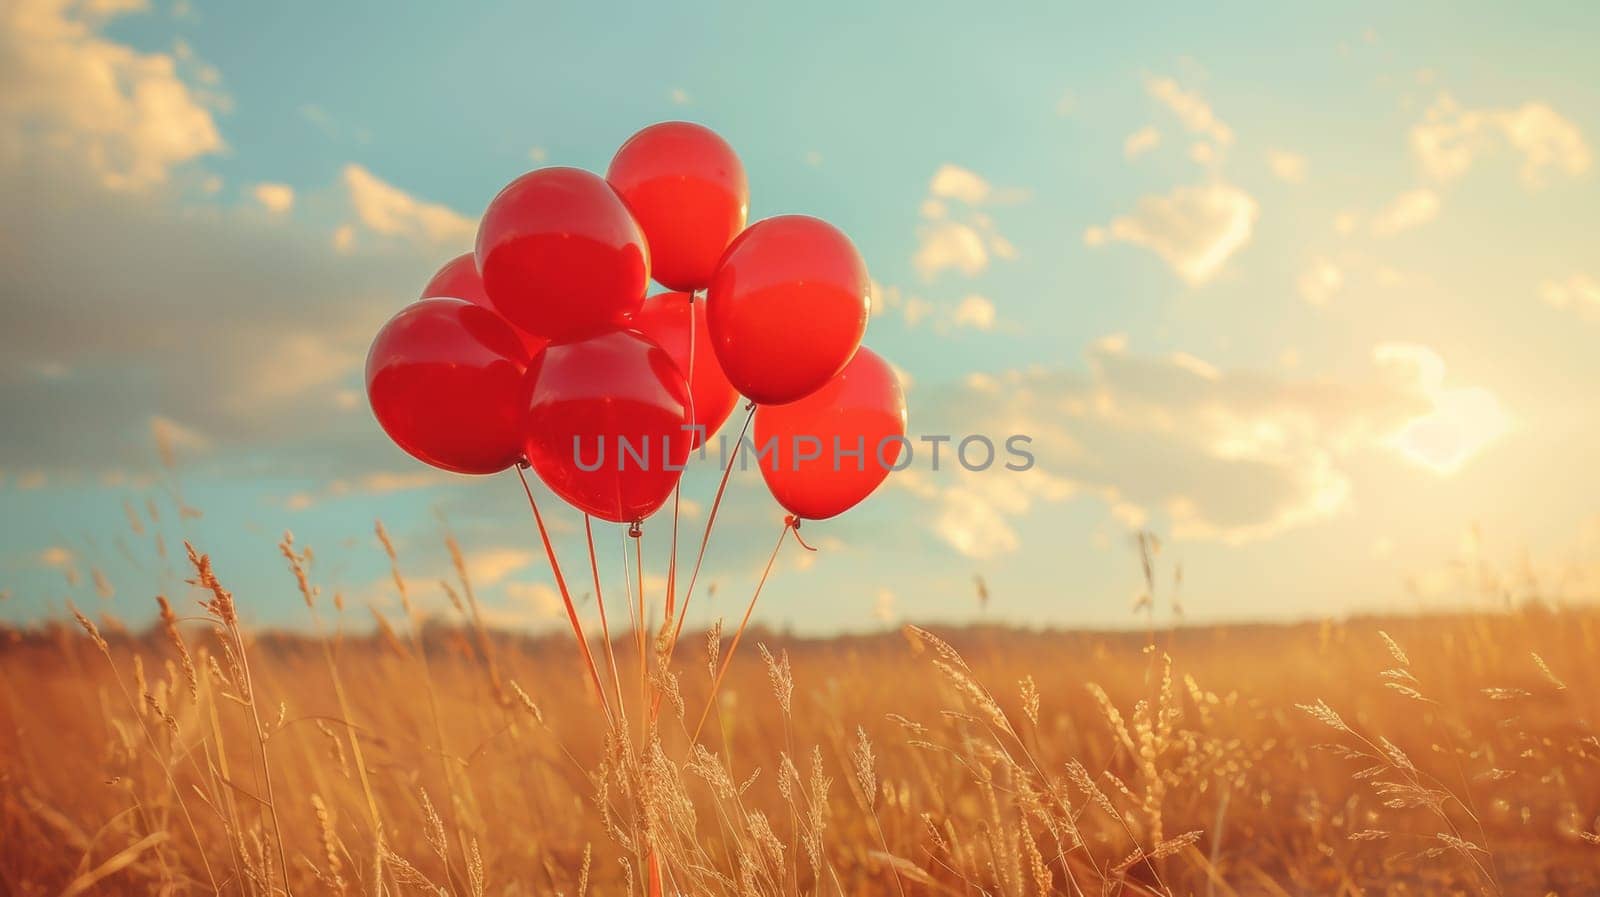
711,519
690,372
605,628
566,598
727,659
627,580
644,632
672,560
705,540
672,565
705,537
677,489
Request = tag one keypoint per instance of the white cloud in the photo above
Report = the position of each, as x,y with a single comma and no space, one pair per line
1191,109
974,311
389,211
1451,138
1287,166
678,96
955,182
947,245
275,198
1321,282
268,366
527,605
1140,142
1194,229
1223,455
287,326
956,234
487,567
127,116
975,515
1580,293
301,361
1410,209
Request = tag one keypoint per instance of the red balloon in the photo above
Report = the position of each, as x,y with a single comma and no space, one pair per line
444,378
561,255
787,307
813,468
665,318
687,188
459,279
616,404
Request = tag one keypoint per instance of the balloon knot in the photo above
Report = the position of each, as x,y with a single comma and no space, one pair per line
793,523
524,463
636,529
750,405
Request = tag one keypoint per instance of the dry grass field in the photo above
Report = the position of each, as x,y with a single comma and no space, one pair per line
1426,756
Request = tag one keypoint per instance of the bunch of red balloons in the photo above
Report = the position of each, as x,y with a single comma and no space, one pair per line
541,346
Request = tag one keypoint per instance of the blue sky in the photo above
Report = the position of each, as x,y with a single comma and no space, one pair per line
1311,294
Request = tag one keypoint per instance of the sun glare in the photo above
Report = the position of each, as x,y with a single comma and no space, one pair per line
1462,423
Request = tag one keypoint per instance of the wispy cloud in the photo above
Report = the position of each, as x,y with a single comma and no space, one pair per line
276,198
1140,142
385,209
973,311
1286,166
527,605
1191,109
1226,455
956,233
1195,229
1579,293
1451,138
1409,210
490,566
1321,282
